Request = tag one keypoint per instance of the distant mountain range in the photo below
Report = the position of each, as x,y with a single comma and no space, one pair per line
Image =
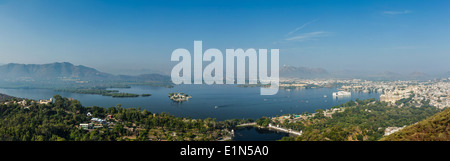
308,73
302,72
65,71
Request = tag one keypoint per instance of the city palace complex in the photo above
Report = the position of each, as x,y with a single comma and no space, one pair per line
434,92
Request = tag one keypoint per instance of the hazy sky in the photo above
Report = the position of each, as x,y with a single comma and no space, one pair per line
139,36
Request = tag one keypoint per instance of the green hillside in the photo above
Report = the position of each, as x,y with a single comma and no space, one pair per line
434,128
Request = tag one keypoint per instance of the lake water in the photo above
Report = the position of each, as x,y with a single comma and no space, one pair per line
257,134
215,101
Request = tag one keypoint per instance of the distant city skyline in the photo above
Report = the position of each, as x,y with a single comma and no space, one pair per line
138,37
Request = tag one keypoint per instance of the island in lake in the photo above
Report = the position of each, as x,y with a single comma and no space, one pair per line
179,97
102,91
146,95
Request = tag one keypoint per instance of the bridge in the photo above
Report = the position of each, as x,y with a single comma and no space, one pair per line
247,124
290,131
277,128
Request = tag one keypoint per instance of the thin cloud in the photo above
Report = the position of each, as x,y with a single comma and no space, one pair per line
301,27
396,12
307,36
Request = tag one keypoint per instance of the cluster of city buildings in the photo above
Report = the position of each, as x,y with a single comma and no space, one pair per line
96,123
313,83
45,101
317,82
435,93
25,104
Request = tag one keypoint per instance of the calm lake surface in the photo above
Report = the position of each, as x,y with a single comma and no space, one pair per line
215,101
257,134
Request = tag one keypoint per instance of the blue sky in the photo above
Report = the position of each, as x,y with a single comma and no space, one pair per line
139,36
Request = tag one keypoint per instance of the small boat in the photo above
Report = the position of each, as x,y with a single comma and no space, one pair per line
324,96
216,106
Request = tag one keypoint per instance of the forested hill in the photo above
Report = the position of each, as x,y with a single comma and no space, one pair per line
434,128
360,120
67,120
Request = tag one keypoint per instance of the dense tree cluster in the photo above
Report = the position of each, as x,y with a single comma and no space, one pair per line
361,120
59,121
263,121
